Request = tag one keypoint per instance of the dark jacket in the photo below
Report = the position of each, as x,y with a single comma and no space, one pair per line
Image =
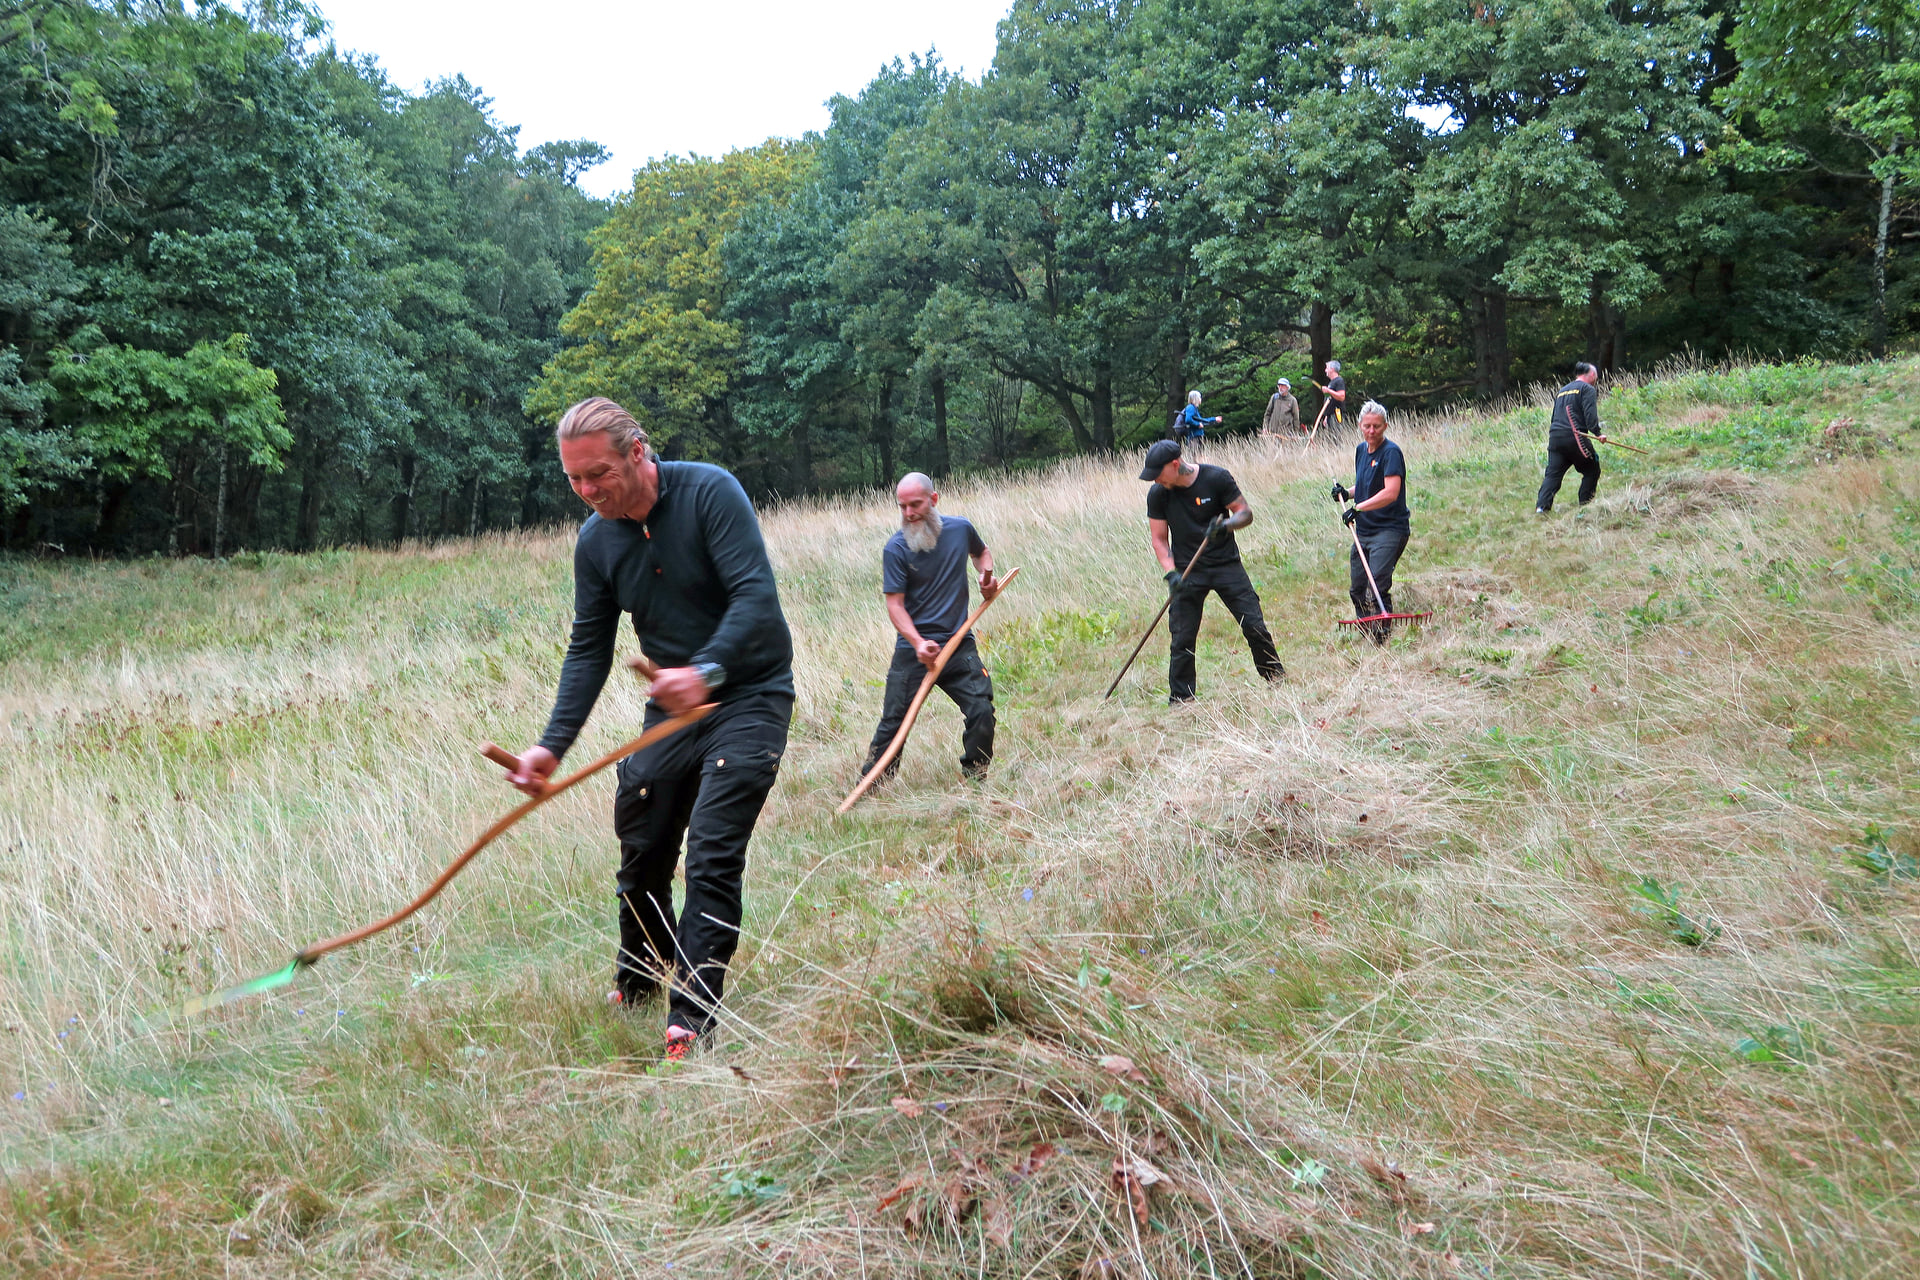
1576,408
695,576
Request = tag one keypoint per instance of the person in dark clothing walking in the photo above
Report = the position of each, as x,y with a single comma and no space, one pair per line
1187,503
676,545
1576,418
1334,394
923,574
1378,515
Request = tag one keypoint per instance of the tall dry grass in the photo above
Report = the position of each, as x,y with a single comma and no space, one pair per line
1368,941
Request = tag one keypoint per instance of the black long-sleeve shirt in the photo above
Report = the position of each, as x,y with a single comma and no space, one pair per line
694,574
1576,408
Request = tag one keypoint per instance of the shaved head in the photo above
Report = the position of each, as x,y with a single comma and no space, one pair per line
919,521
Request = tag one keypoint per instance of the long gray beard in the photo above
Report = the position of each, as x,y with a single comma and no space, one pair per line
923,535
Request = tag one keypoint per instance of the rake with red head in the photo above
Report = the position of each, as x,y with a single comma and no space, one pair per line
1373,619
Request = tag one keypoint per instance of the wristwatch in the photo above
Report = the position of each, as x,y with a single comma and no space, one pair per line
712,674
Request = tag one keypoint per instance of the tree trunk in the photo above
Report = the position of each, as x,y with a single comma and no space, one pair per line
307,528
1492,360
403,501
220,510
1319,337
942,455
1103,404
1177,375
1082,441
883,434
1877,334
473,508
113,503
1606,333
802,458
1320,348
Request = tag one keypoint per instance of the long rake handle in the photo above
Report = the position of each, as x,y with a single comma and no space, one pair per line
913,708
1618,445
1378,599
1165,605
665,729
1324,402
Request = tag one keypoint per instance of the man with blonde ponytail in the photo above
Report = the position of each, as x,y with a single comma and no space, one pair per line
676,546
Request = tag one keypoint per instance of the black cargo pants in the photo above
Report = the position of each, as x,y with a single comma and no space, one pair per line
964,680
1564,451
1383,553
706,785
1235,589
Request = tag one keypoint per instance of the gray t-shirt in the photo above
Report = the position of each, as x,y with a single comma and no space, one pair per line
934,582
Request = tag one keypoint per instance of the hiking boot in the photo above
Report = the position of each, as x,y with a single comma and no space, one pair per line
680,1043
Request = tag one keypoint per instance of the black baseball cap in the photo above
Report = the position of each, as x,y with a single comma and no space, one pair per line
1159,454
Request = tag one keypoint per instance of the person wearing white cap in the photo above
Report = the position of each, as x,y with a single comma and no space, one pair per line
1282,420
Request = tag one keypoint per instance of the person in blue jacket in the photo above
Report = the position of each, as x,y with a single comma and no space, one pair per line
1191,427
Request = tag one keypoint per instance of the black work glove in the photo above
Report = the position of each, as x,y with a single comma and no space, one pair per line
1341,493
1173,582
1218,526
1348,516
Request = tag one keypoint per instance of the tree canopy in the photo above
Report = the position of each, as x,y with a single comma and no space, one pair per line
253,294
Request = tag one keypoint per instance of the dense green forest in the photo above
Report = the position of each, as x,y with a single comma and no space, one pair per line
254,295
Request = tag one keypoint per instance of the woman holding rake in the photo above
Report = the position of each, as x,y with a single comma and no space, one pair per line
1378,517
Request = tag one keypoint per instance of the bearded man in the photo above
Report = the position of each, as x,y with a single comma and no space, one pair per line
923,575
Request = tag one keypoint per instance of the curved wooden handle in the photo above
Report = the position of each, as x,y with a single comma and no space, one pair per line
913,708
505,759
665,729
645,666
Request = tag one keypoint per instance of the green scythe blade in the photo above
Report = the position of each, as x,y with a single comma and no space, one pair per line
265,982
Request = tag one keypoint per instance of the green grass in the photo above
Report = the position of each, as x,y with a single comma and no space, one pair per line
1577,933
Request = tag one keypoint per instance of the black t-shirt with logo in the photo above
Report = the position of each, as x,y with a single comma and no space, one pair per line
1189,510
1370,472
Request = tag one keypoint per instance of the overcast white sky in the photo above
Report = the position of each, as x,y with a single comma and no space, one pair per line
648,79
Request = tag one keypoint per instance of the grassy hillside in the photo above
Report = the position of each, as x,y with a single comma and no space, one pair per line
1576,934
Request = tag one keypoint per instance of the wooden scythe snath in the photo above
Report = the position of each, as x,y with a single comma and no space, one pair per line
309,954
665,729
913,708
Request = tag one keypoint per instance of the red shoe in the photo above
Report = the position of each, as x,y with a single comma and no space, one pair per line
680,1043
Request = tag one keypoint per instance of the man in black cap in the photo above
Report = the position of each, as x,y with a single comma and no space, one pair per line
1570,432
1191,503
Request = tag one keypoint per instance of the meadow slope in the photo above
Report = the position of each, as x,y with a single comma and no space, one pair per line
1574,934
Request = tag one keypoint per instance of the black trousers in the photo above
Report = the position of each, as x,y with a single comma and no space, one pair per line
964,680
1563,452
1236,591
706,785
1383,553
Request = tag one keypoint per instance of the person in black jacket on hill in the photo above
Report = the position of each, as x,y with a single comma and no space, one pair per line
675,545
1575,420
1190,503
